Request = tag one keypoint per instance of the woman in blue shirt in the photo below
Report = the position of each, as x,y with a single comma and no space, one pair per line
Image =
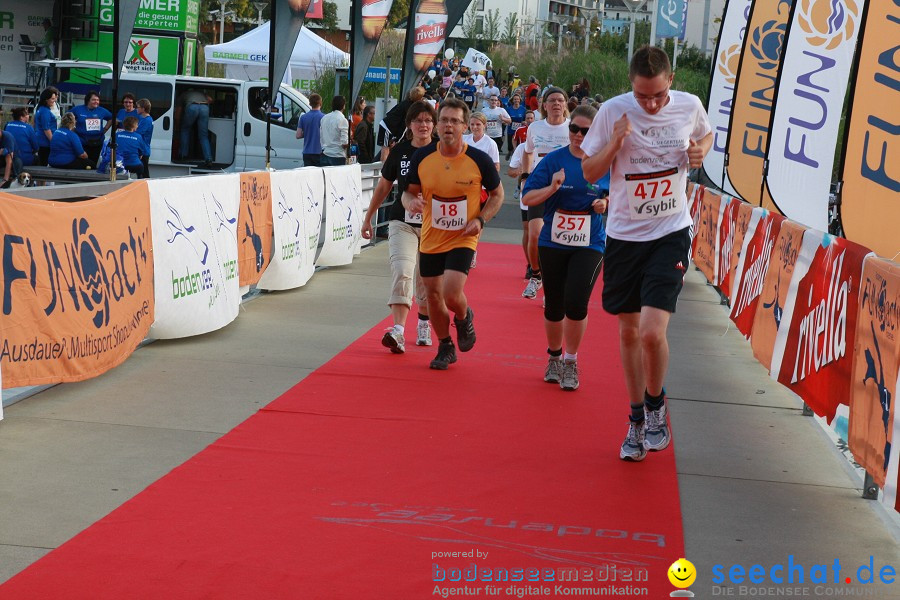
27,141
91,123
145,130
129,109
45,122
516,111
131,147
570,246
66,151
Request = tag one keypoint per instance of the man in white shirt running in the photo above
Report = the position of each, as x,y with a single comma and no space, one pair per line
487,92
543,137
497,117
649,138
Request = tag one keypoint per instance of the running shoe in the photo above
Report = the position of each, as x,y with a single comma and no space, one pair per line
465,331
657,437
532,288
393,339
446,356
423,334
554,370
569,379
633,446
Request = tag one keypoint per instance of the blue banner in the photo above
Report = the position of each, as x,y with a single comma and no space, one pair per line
377,74
669,18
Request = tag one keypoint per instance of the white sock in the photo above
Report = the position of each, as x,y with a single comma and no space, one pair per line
399,329
423,321
572,357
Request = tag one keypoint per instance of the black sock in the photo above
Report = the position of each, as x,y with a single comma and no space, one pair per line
637,413
535,274
654,403
554,353
446,340
423,317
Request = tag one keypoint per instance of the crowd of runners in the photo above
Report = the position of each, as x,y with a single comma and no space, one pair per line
601,188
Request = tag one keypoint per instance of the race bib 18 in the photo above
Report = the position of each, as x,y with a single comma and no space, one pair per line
449,214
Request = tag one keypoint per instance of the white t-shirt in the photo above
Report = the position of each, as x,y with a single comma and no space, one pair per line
515,162
543,138
647,197
486,94
485,144
333,134
479,82
494,127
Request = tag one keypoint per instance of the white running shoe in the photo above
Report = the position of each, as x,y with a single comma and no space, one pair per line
393,340
532,288
423,333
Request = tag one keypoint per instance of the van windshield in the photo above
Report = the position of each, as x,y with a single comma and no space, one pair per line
285,113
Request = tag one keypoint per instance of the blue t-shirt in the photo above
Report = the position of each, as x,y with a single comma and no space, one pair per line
130,147
145,130
7,143
27,142
309,123
89,123
123,114
64,148
571,203
44,119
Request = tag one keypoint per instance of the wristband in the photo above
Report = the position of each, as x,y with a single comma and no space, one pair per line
480,218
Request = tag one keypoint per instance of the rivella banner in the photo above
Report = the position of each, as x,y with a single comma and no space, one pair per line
195,253
872,432
429,24
753,264
297,203
870,197
721,88
815,70
814,347
343,215
77,285
367,21
748,131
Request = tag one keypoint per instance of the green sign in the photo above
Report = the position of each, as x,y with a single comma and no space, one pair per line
145,54
160,15
190,52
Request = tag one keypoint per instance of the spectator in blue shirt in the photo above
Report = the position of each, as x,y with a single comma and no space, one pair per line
131,147
145,130
45,122
129,109
308,131
8,156
91,123
26,137
66,151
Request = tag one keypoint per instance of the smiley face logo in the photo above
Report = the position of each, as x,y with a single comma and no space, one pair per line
682,573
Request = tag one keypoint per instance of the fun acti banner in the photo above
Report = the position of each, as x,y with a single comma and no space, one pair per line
707,234
77,285
814,347
254,226
298,198
741,224
343,216
721,88
430,22
748,132
869,208
812,86
367,21
753,265
876,361
195,253
770,305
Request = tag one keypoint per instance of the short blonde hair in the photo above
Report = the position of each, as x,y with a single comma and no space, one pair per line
67,121
480,116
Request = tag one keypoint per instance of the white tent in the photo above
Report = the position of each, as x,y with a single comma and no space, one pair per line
247,57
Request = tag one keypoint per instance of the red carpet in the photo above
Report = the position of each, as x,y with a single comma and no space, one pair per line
349,484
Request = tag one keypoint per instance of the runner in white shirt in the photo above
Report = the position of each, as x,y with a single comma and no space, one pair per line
487,92
649,139
543,137
497,117
480,82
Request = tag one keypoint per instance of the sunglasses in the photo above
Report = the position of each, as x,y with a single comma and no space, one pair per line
576,129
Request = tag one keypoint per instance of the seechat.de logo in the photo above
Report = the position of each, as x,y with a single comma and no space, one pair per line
682,573
828,23
729,60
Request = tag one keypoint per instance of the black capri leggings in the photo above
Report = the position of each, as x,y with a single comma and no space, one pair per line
569,277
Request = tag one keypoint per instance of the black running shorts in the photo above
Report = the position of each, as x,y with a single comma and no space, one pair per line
638,274
434,265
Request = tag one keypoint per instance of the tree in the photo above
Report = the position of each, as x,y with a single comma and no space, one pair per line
471,26
329,20
491,30
510,29
399,13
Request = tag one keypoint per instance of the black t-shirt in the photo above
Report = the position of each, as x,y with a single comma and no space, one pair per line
396,168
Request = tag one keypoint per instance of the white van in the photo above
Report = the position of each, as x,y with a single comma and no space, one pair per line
237,126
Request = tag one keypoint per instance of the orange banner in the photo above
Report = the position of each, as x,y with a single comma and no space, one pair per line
754,93
254,227
876,360
818,330
742,222
726,242
77,285
695,197
706,232
754,267
870,203
770,308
